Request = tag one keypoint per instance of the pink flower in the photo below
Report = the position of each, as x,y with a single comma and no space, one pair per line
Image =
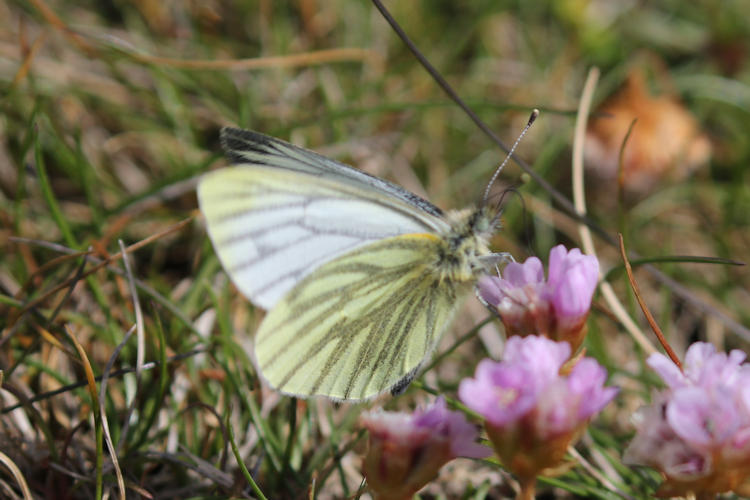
531,411
703,366
658,445
453,427
407,450
504,392
586,385
697,432
571,282
556,308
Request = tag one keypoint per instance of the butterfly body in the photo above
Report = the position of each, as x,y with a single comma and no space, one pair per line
359,276
463,254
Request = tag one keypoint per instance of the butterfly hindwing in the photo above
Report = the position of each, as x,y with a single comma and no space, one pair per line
358,325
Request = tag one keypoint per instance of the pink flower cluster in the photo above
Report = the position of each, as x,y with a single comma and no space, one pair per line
527,384
697,431
556,308
531,411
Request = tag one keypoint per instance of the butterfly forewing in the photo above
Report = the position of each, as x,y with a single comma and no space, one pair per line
359,324
271,226
248,147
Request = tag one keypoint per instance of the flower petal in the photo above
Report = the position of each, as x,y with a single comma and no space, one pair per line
531,271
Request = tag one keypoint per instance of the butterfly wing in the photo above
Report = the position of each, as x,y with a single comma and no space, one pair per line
286,211
360,324
248,147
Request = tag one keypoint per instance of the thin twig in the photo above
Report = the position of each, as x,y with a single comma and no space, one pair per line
644,307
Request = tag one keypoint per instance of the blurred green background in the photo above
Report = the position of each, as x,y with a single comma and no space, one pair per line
110,110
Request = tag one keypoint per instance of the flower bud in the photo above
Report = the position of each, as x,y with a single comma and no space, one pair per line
407,450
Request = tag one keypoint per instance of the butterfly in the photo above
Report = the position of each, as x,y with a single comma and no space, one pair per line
359,276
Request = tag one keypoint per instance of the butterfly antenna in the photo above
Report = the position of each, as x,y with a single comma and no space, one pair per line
499,169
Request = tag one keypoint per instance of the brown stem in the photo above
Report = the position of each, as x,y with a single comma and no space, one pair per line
528,489
644,307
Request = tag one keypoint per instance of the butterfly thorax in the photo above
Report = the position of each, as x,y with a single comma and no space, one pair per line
464,245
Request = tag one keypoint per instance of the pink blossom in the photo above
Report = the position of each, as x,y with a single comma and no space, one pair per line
531,411
586,383
557,307
527,386
697,432
571,282
452,426
407,450
657,444
703,366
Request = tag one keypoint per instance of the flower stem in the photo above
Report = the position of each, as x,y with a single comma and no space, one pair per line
528,489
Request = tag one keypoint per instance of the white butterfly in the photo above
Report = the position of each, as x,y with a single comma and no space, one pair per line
359,276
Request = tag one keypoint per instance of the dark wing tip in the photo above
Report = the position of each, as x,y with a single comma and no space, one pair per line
401,386
236,140
240,139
